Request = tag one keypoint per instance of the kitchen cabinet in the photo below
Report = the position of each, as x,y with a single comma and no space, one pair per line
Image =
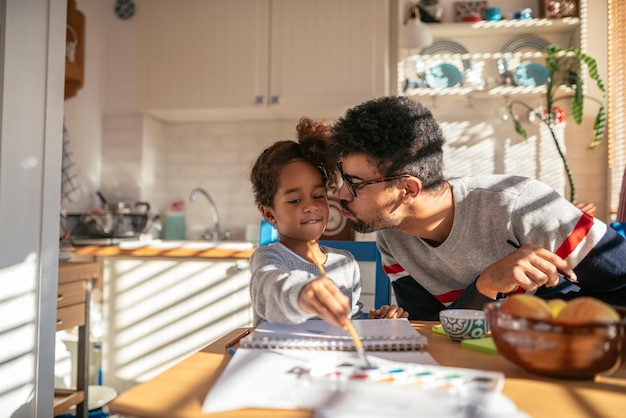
232,59
159,310
74,50
484,42
73,295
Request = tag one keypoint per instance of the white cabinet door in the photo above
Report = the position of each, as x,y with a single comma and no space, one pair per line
203,54
328,52
159,311
235,59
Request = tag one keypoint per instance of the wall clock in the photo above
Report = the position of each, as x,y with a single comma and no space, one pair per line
337,228
124,9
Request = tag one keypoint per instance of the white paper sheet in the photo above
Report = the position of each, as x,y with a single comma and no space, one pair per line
325,381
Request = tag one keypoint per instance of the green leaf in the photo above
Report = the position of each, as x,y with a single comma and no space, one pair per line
519,129
598,127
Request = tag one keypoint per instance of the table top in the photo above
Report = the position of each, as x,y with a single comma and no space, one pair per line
180,391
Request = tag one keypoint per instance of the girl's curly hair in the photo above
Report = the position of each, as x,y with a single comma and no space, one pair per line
313,146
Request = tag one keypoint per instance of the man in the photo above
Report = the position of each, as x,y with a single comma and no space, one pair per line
454,243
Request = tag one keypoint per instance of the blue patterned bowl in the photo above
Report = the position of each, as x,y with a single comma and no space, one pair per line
463,324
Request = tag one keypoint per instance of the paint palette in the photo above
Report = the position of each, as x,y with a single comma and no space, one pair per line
456,380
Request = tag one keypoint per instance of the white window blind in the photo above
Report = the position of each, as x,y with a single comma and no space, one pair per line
617,107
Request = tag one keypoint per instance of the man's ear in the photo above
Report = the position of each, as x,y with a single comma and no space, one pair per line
412,187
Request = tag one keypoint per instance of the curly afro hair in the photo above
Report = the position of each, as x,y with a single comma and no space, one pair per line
313,146
397,134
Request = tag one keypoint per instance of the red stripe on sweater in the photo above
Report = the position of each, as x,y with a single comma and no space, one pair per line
448,297
393,269
576,237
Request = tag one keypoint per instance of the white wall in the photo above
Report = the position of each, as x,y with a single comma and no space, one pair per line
118,154
83,112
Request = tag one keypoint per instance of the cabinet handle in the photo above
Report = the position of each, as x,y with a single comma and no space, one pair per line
242,265
60,298
59,322
275,100
259,100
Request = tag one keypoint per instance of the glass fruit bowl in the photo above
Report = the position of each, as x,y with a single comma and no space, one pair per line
551,348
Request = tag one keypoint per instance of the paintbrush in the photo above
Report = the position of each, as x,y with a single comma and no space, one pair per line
355,337
561,272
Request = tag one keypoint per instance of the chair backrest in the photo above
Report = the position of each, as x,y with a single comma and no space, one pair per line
367,251
267,233
363,251
620,227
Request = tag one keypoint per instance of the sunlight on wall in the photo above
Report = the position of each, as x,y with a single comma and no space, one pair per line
160,311
18,328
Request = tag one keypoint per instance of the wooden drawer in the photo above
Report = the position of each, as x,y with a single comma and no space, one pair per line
71,293
71,316
71,272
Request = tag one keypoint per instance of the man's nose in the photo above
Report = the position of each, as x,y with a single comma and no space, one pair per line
343,193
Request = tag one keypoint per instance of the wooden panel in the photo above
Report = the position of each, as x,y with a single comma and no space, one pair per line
70,272
71,293
66,398
71,316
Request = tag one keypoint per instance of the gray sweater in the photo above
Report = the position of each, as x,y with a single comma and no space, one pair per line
488,211
278,276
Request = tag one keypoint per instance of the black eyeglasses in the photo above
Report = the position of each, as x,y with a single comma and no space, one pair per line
352,186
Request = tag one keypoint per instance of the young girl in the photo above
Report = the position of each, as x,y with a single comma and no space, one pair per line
290,181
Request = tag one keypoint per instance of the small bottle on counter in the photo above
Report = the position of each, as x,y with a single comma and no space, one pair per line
175,222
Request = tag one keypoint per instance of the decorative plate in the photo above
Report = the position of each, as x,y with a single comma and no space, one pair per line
443,76
522,43
530,74
445,71
449,47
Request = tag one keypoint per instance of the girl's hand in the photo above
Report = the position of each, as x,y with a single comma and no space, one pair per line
388,312
324,299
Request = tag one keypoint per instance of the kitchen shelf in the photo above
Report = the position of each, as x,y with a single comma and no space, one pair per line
74,69
503,27
485,40
480,94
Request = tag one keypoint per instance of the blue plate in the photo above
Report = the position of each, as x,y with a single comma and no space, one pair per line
443,76
530,74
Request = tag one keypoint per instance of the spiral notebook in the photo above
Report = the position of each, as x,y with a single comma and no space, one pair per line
315,334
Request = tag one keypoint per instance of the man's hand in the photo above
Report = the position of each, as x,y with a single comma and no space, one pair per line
324,299
528,267
388,312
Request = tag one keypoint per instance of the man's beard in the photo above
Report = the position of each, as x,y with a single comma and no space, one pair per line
360,226
363,227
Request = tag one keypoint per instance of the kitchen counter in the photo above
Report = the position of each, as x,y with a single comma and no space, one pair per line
176,249
164,300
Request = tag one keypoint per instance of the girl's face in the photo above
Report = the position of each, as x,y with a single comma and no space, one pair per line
300,208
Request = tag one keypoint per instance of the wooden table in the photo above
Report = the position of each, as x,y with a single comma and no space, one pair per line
180,391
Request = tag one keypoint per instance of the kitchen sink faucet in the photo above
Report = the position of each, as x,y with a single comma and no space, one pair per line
215,233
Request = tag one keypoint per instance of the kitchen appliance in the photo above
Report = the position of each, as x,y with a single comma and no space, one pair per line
110,224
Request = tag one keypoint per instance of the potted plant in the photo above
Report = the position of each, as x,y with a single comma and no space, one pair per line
564,67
